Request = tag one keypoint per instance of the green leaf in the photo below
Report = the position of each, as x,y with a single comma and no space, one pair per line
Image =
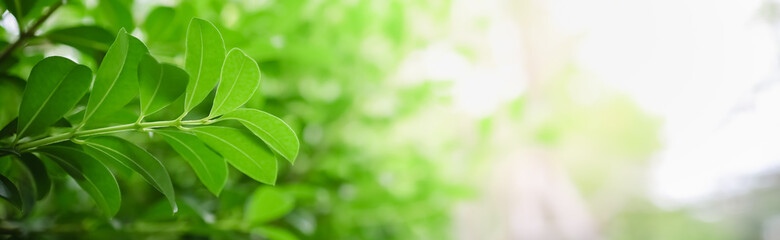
55,85
203,60
272,130
9,129
11,59
9,192
19,8
210,167
89,173
241,150
24,180
40,176
240,79
274,233
166,28
160,84
116,81
106,148
8,189
84,38
266,204
11,92
157,24
115,15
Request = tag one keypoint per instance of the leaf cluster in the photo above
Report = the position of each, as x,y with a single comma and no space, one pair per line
68,122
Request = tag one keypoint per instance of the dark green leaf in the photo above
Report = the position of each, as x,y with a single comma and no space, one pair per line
40,176
203,60
160,84
210,167
108,148
10,60
55,85
272,130
116,81
242,150
9,129
8,190
83,38
266,204
25,182
89,173
240,79
11,92
19,8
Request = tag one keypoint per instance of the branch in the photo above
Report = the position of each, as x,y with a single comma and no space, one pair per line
107,130
30,32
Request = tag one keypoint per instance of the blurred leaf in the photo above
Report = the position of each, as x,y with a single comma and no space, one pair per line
160,84
115,15
136,158
87,39
240,79
11,92
11,60
203,60
272,130
274,233
89,173
266,204
19,8
242,150
8,190
40,176
210,167
158,23
116,81
55,85
165,28
9,129
25,182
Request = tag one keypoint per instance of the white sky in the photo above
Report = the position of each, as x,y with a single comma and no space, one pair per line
695,64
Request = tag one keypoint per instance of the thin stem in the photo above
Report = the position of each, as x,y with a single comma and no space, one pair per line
106,130
24,35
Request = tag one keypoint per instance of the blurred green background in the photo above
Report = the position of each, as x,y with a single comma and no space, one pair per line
435,119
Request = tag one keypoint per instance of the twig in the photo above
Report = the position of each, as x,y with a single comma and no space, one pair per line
30,32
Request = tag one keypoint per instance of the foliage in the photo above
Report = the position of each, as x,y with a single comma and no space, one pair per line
140,129
68,124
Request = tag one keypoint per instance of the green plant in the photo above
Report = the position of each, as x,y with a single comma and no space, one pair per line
325,65
61,122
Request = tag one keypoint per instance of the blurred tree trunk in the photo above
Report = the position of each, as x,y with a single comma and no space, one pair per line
528,194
